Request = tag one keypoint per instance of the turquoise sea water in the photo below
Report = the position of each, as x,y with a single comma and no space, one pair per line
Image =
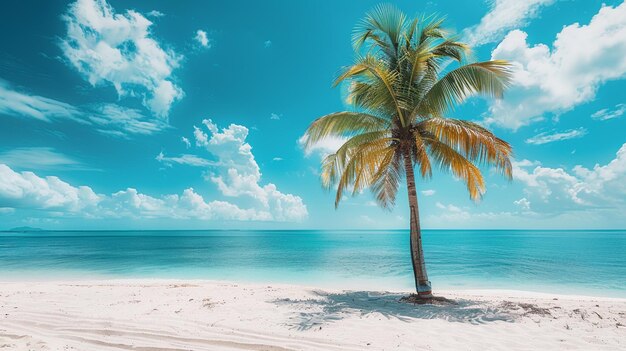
568,262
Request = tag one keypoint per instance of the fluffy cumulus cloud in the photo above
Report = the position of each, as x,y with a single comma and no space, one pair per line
118,49
26,190
553,197
553,80
556,189
237,174
190,204
231,168
550,137
503,16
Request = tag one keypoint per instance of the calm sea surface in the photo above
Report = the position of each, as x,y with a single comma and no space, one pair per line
569,262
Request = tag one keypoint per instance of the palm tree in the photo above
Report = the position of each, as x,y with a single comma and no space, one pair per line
408,76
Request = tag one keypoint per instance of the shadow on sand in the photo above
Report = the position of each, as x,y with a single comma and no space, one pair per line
327,307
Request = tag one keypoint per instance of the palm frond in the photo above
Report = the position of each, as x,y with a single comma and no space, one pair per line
451,49
450,160
348,148
343,124
488,78
385,23
432,28
387,179
473,141
360,168
372,70
420,157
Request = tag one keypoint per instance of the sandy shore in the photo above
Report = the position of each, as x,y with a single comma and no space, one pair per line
198,315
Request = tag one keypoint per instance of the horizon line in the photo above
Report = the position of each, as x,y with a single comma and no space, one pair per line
35,230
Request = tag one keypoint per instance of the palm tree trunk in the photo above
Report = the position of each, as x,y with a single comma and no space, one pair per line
422,284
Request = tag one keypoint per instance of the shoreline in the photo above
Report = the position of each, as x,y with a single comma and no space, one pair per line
349,285
192,314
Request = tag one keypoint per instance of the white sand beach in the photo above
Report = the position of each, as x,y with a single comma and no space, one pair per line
203,315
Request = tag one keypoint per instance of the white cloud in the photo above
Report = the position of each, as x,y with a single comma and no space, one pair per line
202,39
155,14
235,173
544,138
184,159
553,81
523,203
39,158
130,203
188,205
605,113
16,103
267,43
428,192
122,121
553,198
323,147
26,190
274,116
163,96
239,176
186,142
503,16
277,159
452,213
201,138
111,119
116,48
556,189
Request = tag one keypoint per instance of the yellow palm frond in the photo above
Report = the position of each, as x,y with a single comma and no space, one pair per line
473,141
359,169
385,182
450,160
421,158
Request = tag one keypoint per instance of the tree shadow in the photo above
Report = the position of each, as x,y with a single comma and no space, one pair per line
329,307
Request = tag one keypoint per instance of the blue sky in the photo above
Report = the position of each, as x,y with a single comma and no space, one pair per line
163,115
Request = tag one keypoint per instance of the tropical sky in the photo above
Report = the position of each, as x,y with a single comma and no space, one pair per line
190,115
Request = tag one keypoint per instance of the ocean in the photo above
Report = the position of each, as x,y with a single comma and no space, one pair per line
580,262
